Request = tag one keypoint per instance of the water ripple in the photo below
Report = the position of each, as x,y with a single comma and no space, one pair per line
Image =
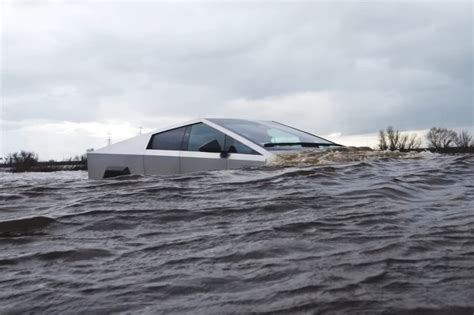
349,232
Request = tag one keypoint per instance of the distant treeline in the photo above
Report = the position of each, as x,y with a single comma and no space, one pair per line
27,161
438,139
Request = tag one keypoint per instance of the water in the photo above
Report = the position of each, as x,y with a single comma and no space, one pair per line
350,233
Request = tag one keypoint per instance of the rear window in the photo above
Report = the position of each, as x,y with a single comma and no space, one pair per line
168,140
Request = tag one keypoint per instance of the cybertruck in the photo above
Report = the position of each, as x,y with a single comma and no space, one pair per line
200,145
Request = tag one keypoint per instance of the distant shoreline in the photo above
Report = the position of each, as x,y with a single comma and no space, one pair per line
46,167
444,150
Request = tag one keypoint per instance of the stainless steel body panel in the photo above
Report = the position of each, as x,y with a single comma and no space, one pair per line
236,160
201,161
97,163
161,162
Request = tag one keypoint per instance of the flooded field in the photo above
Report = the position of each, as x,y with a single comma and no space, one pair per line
339,233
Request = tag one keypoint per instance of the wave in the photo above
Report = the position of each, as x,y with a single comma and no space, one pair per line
70,255
24,226
319,232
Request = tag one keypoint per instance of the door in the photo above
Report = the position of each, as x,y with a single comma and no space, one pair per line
199,155
240,155
162,153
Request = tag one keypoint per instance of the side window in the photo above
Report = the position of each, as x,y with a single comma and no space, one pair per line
168,140
234,146
202,134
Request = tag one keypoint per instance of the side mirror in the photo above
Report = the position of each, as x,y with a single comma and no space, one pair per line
211,146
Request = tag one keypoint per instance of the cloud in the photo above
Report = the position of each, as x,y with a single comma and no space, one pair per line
288,108
342,67
59,140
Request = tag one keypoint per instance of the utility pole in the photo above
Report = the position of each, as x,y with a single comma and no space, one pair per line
109,139
141,129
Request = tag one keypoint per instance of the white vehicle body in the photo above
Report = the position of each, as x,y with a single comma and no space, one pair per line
198,145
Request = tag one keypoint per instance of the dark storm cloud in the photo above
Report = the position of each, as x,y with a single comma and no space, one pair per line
406,64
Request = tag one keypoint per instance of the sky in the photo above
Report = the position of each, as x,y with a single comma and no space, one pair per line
74,71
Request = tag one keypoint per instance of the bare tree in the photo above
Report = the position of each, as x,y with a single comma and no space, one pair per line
393,137
23,157
440,138
382,142
402,143
413,142
22,161
450,138
394,140
434,138
8,158
463,139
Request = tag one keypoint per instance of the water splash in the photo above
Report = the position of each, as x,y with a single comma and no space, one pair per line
339,155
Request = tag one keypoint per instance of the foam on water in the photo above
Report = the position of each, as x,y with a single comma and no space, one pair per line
340,155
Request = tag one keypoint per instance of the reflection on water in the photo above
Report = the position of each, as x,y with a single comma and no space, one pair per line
332,232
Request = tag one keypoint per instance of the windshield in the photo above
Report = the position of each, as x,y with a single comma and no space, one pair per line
271,134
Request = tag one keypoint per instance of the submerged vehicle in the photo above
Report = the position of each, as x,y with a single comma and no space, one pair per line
200,145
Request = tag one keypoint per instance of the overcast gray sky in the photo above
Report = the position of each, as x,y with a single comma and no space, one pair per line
73,70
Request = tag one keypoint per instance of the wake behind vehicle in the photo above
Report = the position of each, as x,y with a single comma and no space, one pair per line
200,145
